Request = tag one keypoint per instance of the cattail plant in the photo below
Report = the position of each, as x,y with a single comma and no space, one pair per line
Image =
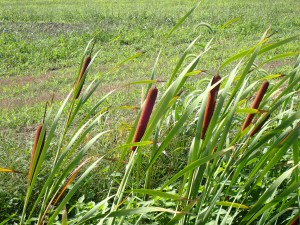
36,140
145,115
263,89
259,126
210,105
295,221
85,64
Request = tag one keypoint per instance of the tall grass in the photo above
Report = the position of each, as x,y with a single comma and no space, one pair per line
230,175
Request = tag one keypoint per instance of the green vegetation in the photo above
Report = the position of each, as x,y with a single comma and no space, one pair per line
196,162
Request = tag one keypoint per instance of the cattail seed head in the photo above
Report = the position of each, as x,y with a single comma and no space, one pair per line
295,221
210,105
145,116
259,126
36,140
262,91
85,64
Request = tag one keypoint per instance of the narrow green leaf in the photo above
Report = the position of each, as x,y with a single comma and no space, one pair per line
159,194
250,110
194,165
141,143
233,205
186,210
72,191
263,198
8,219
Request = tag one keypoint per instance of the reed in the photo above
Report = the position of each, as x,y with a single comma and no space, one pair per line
33,153
145,116
295,221
210,105
262,91
79,83
259,126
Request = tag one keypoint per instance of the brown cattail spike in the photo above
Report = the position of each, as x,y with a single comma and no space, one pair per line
295,221
263,89
210,105
85,64
36,140
259,126
145,116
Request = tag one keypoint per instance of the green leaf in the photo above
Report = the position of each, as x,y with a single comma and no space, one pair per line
159,194
249,217
250,110
194,165
8,219
234,205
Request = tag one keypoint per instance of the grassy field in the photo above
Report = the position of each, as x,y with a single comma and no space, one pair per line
42,43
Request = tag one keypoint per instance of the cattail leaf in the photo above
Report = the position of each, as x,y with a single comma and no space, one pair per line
92,111
274,218
178,217
137,144
233,204
159,194
280,56
250,110
70,179
130,107
72,191
249,217
60,192
271,76
203,215
194,165
175,129
268,206
91,213
142,82
172,90
73,163
70,166
142,210
136,211
64,216
8,170
277,44
193,73
8,219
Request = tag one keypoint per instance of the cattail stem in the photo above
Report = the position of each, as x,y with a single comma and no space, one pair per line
85,64
259,126
210,105
262,91
36,140
145,116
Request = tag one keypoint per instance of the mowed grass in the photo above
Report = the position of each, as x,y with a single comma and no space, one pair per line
41,45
